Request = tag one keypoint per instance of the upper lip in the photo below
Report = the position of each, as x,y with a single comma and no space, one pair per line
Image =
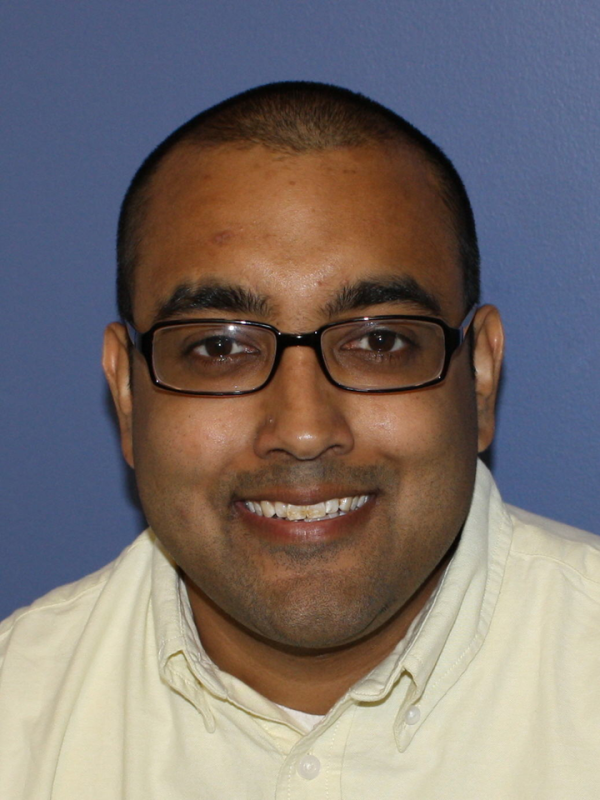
304,497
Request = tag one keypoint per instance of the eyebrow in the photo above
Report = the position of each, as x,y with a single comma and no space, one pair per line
219,297
380,290
215,296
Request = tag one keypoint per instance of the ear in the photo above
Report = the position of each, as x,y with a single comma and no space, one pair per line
487,357
115,362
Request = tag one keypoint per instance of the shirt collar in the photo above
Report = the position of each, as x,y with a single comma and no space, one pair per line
176,632
457,617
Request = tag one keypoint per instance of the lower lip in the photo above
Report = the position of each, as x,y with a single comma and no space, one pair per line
304,531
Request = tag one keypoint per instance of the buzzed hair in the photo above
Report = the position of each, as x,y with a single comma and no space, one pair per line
295,118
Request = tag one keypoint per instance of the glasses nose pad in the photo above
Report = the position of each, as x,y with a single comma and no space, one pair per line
316,341
289,340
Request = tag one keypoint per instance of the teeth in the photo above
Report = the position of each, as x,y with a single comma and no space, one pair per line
268,509
315,512
296,512
330,508
280,509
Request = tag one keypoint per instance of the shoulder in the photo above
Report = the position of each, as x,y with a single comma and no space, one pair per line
55,620
556,548
549,603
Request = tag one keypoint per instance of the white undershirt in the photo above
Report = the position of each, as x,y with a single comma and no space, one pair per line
303,720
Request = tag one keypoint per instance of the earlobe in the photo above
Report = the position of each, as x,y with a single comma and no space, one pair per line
487,356
115,362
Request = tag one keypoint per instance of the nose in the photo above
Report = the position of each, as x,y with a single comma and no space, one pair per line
303,415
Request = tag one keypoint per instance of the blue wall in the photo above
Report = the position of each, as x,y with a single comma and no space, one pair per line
510,90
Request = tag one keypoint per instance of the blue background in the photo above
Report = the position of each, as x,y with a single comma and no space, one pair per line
510,90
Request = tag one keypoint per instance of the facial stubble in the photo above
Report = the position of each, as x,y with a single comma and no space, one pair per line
316,596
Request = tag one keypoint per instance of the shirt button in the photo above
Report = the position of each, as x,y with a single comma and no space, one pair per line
309,767
412,715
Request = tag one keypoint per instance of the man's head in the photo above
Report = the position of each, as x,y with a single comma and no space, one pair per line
297,220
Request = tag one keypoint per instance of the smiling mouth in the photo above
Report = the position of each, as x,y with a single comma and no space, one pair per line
329,509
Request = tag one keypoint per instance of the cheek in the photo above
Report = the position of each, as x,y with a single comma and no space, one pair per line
439,424
186,439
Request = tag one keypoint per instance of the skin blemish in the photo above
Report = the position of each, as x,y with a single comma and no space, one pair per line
222,237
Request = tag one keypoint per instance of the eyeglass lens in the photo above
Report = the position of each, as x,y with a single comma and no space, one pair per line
384,354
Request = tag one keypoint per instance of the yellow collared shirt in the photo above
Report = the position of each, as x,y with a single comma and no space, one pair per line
107,694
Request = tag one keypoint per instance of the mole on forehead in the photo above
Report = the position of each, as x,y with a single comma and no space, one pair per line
222,237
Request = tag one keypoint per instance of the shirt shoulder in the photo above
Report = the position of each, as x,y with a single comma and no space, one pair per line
59,616
561,546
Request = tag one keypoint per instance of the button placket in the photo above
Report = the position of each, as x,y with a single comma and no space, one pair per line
305,765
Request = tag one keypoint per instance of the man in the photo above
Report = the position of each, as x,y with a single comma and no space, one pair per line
332,600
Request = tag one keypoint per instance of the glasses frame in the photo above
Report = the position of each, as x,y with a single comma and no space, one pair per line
453,339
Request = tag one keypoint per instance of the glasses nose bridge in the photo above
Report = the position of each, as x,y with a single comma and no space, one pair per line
311,339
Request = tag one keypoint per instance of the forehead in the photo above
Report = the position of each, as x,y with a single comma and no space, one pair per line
296,229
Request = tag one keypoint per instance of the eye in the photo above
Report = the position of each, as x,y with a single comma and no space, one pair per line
380,340
219,347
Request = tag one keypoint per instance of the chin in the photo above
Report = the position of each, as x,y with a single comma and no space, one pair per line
319,620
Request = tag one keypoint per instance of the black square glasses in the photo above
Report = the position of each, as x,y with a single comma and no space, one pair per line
224,358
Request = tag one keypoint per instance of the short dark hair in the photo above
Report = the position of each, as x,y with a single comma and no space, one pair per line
295,117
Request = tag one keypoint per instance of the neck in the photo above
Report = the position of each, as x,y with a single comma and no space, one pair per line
309,681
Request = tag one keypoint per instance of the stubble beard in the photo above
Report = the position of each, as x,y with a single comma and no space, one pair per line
322,596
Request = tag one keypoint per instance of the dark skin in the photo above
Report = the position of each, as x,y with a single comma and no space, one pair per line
302,610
